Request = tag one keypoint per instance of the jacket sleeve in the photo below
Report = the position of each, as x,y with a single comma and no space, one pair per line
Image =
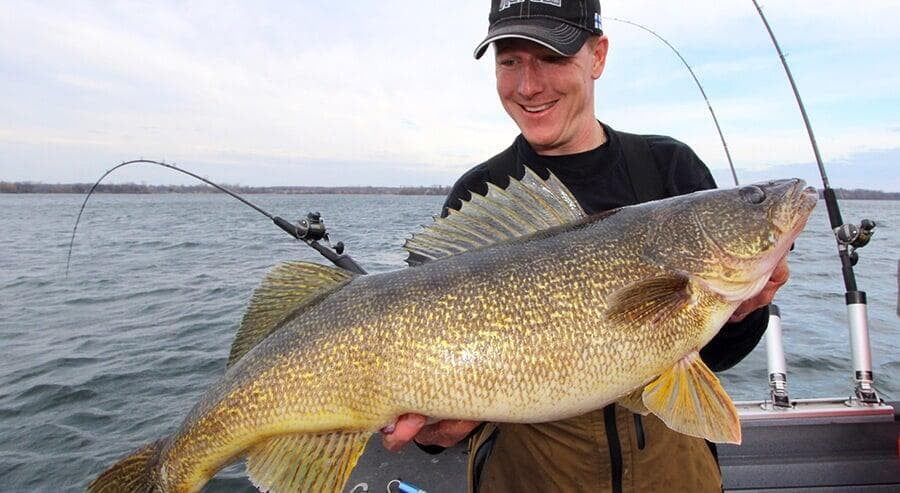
735,341
684,172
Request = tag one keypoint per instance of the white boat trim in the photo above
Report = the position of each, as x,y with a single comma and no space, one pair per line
812,411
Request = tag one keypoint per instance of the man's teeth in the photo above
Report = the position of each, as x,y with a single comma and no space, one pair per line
535,109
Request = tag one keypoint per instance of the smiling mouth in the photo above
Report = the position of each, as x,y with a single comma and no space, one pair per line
538,108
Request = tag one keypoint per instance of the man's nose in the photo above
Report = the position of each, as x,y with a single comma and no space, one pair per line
530,82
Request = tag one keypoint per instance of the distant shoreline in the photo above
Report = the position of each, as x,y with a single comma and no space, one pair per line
133,188
439,190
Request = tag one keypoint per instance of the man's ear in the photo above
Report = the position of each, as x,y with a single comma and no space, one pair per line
599,48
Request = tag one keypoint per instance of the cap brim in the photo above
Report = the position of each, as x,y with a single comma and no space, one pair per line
560,37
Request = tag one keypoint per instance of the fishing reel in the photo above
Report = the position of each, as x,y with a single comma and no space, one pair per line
853,237
312,228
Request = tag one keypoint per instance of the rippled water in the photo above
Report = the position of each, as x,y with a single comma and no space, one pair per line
115,354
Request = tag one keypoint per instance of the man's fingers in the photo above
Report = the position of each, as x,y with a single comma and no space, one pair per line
404,429
781,273
408,426
779,277
446,433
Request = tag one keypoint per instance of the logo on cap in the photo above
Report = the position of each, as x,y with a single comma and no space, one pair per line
505,4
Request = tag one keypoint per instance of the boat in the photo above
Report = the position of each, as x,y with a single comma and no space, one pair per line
814,445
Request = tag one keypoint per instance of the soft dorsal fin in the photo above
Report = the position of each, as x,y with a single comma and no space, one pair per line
288,288
524,207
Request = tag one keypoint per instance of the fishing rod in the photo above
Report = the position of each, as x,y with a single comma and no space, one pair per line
310,229
850,238
696,81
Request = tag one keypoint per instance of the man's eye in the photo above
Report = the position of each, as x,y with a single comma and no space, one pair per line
555,59
509,62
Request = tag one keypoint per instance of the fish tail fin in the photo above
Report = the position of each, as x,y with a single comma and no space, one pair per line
305,462
136,472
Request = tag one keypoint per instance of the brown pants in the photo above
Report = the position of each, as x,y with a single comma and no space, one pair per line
573,455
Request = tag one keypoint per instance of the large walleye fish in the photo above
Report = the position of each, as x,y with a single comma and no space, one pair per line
522,310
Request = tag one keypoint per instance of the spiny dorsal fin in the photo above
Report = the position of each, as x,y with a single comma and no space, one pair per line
525,207
289,287
690,400
649,301
307,463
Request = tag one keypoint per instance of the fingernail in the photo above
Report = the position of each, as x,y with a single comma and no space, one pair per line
388,429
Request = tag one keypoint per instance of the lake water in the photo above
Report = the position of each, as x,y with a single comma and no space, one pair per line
114,355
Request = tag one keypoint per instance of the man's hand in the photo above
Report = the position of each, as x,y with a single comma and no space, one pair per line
779,276
412,427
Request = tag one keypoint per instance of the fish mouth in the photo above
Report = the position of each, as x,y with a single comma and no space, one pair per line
796,202
790,216
801,203
810,196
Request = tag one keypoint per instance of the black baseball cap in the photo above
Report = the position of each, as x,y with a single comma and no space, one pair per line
561,25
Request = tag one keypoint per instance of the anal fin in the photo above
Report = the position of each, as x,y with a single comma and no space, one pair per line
690,400
634,402
306,462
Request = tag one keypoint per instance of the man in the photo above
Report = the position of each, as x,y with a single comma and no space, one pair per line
548,54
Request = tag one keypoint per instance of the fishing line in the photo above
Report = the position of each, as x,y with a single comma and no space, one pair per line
696,81
310,230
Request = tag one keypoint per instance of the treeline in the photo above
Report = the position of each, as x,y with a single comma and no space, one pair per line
82,188
862,194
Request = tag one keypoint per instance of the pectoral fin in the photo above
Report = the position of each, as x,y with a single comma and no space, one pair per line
303,462
648,301
690,400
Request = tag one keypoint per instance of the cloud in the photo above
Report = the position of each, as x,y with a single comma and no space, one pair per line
315,83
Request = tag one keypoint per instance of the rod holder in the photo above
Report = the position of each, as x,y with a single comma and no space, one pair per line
775,361
863,376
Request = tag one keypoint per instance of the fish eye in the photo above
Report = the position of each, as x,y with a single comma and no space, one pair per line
752,194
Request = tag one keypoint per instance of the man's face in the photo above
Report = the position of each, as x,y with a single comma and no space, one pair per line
550,96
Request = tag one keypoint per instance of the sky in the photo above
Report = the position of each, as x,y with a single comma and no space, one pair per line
387,93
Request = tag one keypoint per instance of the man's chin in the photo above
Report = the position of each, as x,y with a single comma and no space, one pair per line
540,140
